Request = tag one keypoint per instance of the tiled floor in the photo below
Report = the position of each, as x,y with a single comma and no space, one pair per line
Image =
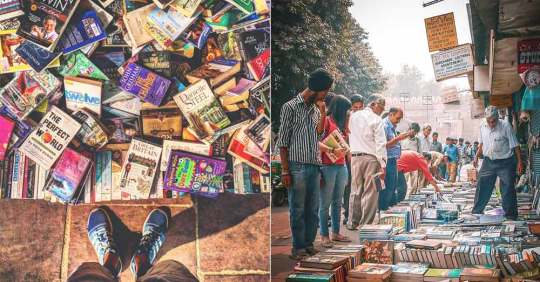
227,239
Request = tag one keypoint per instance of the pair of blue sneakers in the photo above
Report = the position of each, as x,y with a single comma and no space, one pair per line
100,230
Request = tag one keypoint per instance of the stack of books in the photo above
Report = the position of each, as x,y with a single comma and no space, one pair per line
408,272
376,232
370,272
152,99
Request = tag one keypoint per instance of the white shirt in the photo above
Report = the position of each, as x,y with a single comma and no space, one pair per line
367,134
425,144
499,142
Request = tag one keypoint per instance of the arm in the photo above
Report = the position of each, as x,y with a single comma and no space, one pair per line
283,142
396,139
478,154
380,141
513,142
423,167
320,126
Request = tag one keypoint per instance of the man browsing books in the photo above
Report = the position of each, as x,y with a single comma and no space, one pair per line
411,161
301,128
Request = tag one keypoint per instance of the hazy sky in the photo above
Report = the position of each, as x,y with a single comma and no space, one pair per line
397,32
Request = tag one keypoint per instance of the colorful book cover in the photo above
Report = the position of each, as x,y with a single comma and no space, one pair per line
191,147
77,64
82,93
198,33
244,148
27,91
259,131
139,169
245,6
144,83
247,180
196,174
123,129
44,21
202,110
36,56
215,72
134,22
258,66
259,97
379,251
164,42
67,175
52,136
7,126
92,132
84,29
10,9
170,22
186,7
162,122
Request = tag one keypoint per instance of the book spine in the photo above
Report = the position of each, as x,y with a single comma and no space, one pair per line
9,180
107,176
20,184
24,192
99,177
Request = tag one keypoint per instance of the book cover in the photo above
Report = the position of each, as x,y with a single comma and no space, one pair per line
67,175
144,83
139,170
122,129
162,40
260,96
237,94
170,22
198,33
259,131
92,133
162,4
245,6
159,62
83,30
134,22
215,72
44,21
190,147
242,147
306,276
196,174
258,66
47,142
335,140
82,93
202,110
132,106
108,61
77,64
10,60
379,251
7,126
186,7
248,180
10,9
27,91
162,122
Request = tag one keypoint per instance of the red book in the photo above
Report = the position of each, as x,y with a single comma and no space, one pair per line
257,66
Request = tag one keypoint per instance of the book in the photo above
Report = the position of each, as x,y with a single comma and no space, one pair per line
202,110
10,9
323,261
82,93
44,22
67,175
92,133
144,83
134,21
162,40
171,22
131,106
122,129
379,251
433,274
237,94
245,6
198,34
85,29
261,7
187,172
27,91
186,7
139,170
259,131
163,122
259,65
190,147
162,4
371,271
335,140
424,244
77,64
248,180
36,56
7,126
306,277
215,72
242,147
51,137
260,96
160,62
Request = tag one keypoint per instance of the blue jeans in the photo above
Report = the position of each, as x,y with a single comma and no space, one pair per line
335,178
387,196
304,203
401,187
505,169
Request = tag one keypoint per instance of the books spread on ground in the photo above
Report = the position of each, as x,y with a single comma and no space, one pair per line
67,175
82,93
140,168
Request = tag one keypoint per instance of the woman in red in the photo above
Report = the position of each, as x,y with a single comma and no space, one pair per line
334,170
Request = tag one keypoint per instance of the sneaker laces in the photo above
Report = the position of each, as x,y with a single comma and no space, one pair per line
150,243
101,239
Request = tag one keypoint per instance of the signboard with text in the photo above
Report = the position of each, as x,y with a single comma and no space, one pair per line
441,32
453,62
528,54
501,101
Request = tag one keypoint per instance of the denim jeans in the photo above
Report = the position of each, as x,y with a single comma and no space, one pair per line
347,192
505,169
401,187
387,196
335,178
304,203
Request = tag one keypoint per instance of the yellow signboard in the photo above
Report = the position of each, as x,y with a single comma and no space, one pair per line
441,32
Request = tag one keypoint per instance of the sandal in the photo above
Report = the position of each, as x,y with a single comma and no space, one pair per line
341,238
327,243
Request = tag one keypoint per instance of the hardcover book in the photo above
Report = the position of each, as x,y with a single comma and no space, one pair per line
245,6
144,83
186,7
202,110
85,29
139,170
52,136
27,91
7,126
259,131
170,22
44,21
187,172
82,93
36,56
10,9
163,122
134,22
67,175
191,147
243,148
77,64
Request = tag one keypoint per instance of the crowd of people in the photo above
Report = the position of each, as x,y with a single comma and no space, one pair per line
379,166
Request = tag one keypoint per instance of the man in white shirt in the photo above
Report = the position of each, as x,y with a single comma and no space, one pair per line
367,140
425,143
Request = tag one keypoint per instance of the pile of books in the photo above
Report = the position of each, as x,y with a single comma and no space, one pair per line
376,231
117,99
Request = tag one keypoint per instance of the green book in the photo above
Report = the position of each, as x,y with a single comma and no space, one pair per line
308,277
245,6
445,273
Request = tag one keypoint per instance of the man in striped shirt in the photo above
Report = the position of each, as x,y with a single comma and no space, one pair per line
301,127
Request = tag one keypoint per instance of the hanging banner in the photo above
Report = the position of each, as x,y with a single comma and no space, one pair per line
528,54
453,62
450,95
441,32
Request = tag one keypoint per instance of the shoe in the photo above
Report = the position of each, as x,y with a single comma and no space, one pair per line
153,236
352,228
312,251
100,232
298,254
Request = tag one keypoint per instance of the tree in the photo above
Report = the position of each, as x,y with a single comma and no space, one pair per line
308,34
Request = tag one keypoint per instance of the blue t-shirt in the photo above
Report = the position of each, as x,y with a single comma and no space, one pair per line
390,132
452,152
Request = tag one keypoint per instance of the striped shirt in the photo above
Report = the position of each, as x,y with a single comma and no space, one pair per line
298,131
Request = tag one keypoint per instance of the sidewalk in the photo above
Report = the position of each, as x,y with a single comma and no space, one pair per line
218,240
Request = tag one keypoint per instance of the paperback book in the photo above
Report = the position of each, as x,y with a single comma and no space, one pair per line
186,7
77,64
7,126
144,83
139,170
10,9
163,122
245,6
134,22
170,22
67,175
36,56
82,93
259,131
215,72
85,29
243,148
92,132
190,147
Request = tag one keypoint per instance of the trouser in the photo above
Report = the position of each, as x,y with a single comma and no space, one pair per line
347,192
364,195
401,187
165,271
412,182
387,197
505,169
442,171
452,170
304,203
334,179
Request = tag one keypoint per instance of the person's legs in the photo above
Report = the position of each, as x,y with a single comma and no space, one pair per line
506,170
312,205
100,234
370,196
329,173
357,184
401,187
91,272
341,181
453,171
387,196
153,236
168,271
297,196
346,195
486,182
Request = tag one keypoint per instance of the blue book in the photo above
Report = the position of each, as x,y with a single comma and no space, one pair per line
84,30
36,56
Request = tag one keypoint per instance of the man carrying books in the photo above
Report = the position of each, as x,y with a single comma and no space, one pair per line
301,128
368,161
502,154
